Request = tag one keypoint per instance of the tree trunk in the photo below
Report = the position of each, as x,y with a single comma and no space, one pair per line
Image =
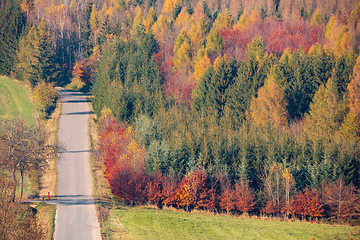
13,194
21,184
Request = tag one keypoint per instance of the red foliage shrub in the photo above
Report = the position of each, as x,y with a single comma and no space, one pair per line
124,163
170,189
154,189
307,203
243,197
227,202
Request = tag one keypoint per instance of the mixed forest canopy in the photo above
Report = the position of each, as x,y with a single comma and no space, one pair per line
257,102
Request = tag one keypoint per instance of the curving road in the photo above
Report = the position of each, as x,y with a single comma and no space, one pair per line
76,214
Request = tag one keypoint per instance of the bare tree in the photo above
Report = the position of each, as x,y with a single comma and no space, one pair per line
23,148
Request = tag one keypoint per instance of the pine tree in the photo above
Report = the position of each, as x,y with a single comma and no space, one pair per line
251,76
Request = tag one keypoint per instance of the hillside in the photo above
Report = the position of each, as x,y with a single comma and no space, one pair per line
15,102
224,106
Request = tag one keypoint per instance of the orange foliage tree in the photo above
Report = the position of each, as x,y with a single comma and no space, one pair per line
307,203
124,162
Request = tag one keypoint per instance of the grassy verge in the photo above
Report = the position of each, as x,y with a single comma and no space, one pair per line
48,180
46,218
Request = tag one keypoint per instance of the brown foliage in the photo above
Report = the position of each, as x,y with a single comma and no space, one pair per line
17,221
340,200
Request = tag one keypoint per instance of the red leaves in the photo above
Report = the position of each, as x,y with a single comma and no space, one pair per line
124,163
244,198
307,204
154,189
277,36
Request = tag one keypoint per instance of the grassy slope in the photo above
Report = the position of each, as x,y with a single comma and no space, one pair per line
144,223
14,101
46,218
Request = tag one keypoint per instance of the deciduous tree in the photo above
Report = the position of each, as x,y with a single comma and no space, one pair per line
23,148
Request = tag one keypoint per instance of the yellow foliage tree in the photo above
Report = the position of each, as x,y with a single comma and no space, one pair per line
184,20
350,128
288,182
326,114
182,51
169,6
160,29
222,21
198,34
270,105
150,19
243,22
136,154
354,89
202,63
138,19
317,19
343,41
45,95
330,28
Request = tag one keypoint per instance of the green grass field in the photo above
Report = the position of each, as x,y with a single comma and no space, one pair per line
14,101
145,223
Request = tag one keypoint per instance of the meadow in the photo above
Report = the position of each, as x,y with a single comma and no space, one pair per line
146,223
15,102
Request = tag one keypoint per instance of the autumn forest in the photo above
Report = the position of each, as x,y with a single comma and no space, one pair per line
246,106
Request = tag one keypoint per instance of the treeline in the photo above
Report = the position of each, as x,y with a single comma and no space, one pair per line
208,188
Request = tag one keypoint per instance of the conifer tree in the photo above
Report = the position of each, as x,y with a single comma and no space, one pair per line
212,92
326,113
214,43
270,105
342,71
36,59
354,89
12,25
182,51
150,19
251,75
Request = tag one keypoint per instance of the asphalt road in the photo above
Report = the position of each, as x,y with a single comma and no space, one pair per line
76,214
